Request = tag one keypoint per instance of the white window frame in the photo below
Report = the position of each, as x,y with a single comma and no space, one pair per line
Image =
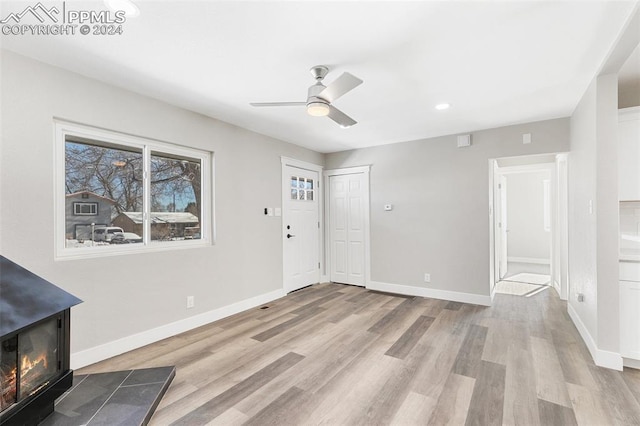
77,208
62,129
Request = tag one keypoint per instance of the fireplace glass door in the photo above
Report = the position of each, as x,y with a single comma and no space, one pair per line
28,362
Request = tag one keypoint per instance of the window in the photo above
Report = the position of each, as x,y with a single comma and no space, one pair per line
301,188
151,193
85,209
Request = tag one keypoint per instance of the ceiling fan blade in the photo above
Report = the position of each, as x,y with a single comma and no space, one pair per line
340,86
340,117
270,104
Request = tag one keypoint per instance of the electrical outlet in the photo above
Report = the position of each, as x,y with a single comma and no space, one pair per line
427,278
191,302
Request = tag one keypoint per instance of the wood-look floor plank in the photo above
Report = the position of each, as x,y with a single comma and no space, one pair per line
389,320
573,363
439,359
588,406
454,306
280,328
518,362
520,394
453,404
550,383
409,338
467,361
618,396
227,399
631,378
349,401
231,417
502,332
487,401
555,415
279,411
318,368
416,409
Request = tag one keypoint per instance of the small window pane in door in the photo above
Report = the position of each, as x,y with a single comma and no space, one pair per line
294,194
310,195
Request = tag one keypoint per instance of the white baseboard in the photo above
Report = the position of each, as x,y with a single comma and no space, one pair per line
99,353
454,296
631,363
534,260
601,357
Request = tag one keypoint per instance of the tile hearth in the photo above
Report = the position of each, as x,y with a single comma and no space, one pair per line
127,397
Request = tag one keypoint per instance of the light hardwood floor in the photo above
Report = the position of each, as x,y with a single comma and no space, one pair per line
342,355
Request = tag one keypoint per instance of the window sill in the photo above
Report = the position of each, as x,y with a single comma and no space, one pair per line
128,249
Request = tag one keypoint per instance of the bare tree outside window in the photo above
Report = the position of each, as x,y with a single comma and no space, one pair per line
112,176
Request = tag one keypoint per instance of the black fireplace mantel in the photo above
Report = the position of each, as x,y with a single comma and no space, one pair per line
26,298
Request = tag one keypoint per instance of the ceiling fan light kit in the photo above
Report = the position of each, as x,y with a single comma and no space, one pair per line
317,109
320,97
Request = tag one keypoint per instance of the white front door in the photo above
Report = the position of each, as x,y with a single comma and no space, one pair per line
347,228
301,228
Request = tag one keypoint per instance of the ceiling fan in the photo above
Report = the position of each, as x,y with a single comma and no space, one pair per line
319,96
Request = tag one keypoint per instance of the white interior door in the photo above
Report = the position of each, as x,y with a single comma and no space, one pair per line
347,228
301,229
502,224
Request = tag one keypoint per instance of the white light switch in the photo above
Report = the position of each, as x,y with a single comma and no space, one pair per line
388,207
269,211
526,138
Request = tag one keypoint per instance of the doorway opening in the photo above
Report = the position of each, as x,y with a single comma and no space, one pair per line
528,225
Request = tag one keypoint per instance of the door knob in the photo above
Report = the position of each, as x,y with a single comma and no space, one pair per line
289,235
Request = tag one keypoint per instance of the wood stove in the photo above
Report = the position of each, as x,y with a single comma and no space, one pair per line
34,345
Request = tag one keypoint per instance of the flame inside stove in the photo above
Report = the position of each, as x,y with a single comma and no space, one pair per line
29,364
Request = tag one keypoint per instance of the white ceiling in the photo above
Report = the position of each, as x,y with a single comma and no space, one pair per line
497,63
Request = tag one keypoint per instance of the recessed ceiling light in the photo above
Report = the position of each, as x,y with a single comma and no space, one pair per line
129,7
441,107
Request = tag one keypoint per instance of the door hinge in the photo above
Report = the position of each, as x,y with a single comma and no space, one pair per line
318,225
499,186
59,322
318,265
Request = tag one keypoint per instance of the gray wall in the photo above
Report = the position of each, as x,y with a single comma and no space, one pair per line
440,193
124,295
593,233
593,179
525,216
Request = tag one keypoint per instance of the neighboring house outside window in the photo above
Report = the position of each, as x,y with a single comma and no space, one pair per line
83,209
164,225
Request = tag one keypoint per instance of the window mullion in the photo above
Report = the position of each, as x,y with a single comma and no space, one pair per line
146,199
